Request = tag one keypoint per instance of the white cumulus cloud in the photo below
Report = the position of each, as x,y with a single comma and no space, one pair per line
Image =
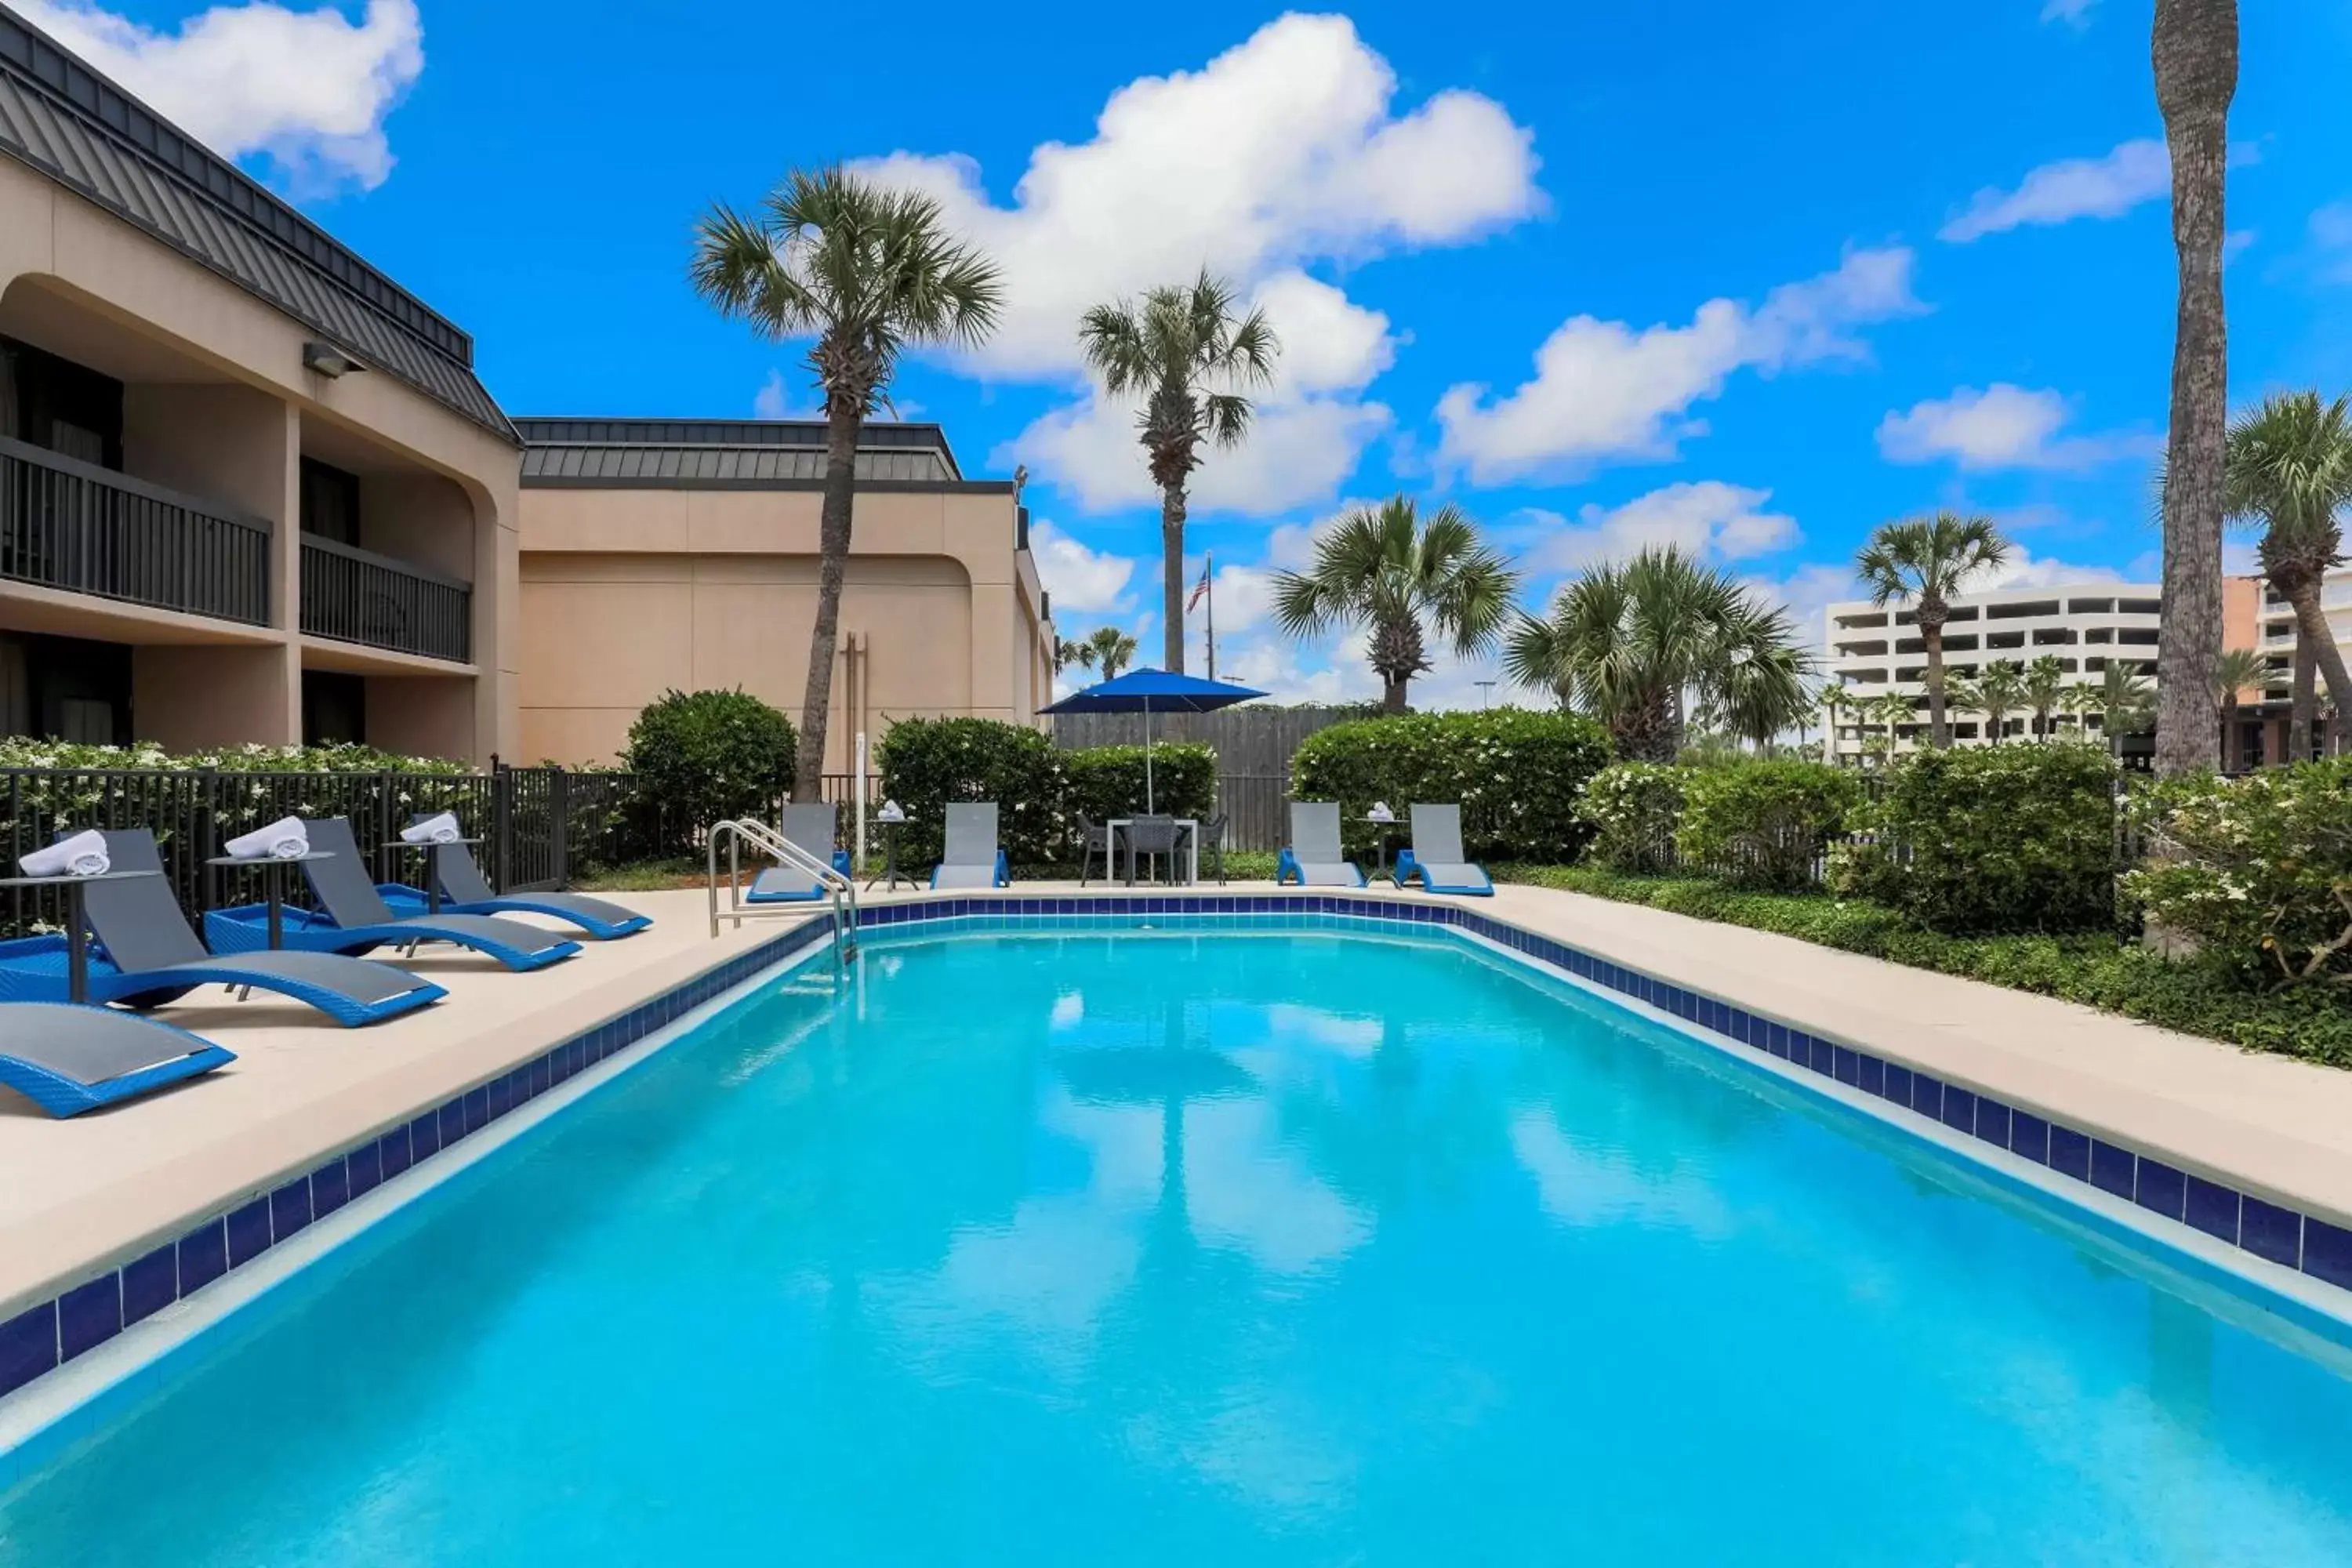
1091,581
2001,426
2106,186
306,90
1604,389
2075,13
1707,518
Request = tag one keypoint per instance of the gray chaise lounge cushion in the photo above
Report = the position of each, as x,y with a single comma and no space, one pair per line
970,859
1315,846
348,894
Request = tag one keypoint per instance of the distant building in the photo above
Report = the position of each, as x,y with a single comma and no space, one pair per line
2254,616
1874,650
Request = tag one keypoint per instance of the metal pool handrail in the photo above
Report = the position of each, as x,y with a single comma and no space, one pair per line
765,840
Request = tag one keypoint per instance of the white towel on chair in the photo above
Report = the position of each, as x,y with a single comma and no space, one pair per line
441,829
284,840
83,854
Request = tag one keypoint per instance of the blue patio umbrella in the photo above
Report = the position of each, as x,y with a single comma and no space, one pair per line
1149,691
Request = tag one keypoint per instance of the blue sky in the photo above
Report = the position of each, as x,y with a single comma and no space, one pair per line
1749,278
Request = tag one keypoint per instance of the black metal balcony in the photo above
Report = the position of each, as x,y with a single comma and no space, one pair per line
353,595
87,530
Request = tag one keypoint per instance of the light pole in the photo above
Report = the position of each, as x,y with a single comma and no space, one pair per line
1485,692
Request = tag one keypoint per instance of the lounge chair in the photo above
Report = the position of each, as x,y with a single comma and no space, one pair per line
465,892
352,917
812,827
69,1059
971,858
1436,855
1313,858
152,956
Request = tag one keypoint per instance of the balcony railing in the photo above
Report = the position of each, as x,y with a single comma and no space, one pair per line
87,530
353,595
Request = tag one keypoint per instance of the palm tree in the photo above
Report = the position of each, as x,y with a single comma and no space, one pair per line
1107,649
2123,700
2240,667
1765,691
1925,561
2195,51
1388,569
2290,469
2046,684
866,272
1181,348
2001,691
1631,644
1836,698
1961,696
1894,710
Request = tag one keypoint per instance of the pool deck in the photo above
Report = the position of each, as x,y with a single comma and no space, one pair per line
75,1195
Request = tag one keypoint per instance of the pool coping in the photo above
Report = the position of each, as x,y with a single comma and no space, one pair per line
2183,1208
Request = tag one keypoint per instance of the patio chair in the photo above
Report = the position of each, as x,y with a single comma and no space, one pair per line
465,892
1154,838
69,1059
353,918
1436,855
1213,844
152,955
812,828
1094,838
971,858
1313,858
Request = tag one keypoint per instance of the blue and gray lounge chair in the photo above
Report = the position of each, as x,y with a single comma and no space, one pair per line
1436,855
352,917
971,858
69,1059
812,827
465,892
1313,859
151,956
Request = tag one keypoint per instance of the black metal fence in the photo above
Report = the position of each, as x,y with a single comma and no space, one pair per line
539,827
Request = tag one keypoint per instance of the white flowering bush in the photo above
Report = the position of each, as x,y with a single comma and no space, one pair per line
1633,809
1517,776
928,762
146,756
2258,869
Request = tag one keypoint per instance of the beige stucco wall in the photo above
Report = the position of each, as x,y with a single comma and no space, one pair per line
626,594
222,406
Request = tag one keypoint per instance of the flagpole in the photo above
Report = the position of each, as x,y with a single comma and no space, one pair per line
1209,585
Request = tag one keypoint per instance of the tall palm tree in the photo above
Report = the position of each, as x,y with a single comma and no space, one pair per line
1388,569
2001,691
1894,710
1632,643
1961,697
1836,696
1924,561
1182,349
2289,469
1106,648
2124,701
2046,684
1765,692
2194,48
866,272
2240,668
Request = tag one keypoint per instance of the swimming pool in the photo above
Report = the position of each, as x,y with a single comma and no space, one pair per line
1274,1248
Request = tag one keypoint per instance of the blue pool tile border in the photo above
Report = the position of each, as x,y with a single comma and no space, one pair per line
43,1337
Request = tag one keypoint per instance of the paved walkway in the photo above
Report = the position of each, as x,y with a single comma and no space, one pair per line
105,1186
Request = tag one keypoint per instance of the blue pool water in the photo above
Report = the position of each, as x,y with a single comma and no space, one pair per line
1298,1249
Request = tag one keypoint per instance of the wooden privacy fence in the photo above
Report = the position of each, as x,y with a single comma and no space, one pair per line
1253,747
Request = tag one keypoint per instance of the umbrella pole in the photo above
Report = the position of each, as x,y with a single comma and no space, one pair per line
1149,808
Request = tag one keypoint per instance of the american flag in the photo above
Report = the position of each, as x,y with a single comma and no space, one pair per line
1199,590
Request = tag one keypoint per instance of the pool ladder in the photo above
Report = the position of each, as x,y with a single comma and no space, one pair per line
765,840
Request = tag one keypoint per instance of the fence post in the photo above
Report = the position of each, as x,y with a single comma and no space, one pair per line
502,823
206,831
559,827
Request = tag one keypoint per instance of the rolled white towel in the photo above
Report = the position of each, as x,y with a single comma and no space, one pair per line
83,854
284,840
441,829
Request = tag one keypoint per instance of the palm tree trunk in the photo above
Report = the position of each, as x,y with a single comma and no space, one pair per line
1939,734
843,420
2195,53
1171,552
1392,693
2228,729
2313,631
2305,705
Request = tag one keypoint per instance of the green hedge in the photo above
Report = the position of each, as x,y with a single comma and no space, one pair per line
928,762
2094,969
22,752
1764,822
1518,775
1633,809
1982,839
1104,781
711,755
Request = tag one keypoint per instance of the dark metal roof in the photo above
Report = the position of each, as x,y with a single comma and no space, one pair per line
61,118
723,454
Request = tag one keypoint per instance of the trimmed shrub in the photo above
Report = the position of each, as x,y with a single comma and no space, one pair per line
928,762
1633,809
1764,823
146,756
1994,839
1107,781
1517,774
711,755
2258,869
